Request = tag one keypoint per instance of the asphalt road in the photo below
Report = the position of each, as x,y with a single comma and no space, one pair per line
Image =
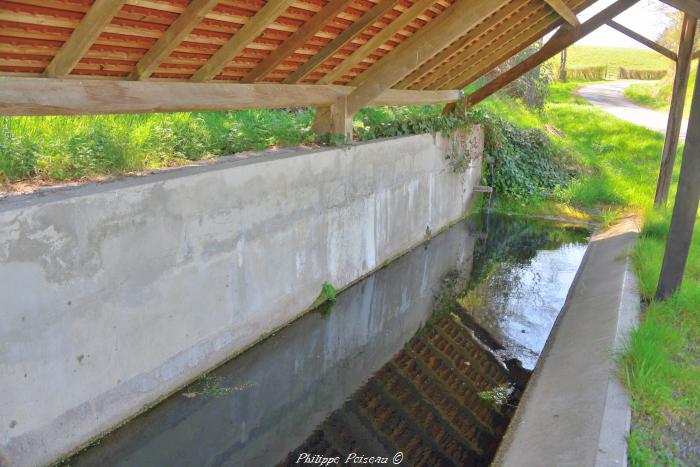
610,98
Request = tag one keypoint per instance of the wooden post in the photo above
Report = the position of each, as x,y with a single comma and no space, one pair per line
685,209
334,120
675,114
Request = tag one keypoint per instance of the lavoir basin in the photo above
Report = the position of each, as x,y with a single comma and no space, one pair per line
421,363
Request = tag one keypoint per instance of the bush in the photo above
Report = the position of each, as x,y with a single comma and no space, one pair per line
588,73
531,88
526,162
641,74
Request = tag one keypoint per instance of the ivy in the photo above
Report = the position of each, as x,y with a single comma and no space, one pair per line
526,161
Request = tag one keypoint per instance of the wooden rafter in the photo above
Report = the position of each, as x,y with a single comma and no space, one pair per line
301,37
504,49
18,96
564,11
484,55
97,17
377,11
562,39
176,33
458,46
406,18
252,29
483,50
643,40
522,39
420,47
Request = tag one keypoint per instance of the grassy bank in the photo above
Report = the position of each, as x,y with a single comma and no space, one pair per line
619,164
657,94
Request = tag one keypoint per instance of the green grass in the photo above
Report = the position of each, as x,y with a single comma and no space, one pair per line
660,362
70,148
583,56
64,148
657,94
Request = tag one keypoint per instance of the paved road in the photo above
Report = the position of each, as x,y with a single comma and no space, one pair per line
610,98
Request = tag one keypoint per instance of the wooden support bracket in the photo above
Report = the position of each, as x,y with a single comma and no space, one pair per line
564,11
643,40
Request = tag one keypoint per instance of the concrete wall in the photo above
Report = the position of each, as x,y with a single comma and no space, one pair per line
116,294
290,383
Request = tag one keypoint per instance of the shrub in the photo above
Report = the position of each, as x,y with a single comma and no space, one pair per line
531,88
587,73
641,74
526,162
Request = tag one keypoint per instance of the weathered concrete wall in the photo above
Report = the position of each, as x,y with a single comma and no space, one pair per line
289,384
116,294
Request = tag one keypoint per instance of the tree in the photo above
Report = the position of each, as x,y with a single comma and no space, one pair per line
562,66
671,34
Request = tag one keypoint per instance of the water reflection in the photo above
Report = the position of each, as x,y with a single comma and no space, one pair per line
368,379
523,270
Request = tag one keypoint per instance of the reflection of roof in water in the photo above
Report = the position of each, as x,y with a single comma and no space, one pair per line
424,403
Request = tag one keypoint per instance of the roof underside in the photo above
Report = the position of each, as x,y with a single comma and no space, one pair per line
32,33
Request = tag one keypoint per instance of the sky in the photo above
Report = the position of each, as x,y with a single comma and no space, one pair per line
646,17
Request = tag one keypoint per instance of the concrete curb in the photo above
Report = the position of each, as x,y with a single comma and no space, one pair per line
574,410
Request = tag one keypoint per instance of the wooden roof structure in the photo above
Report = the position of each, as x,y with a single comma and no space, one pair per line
278,41
122,56
104,56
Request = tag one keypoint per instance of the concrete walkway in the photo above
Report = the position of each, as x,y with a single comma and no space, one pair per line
610,97
574,411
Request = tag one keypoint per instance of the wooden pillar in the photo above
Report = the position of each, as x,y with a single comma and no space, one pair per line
685,209
675,114
334,120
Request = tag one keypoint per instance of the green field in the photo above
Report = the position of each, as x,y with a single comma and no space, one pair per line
579,56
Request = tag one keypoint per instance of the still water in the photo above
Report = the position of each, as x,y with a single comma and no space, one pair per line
421,363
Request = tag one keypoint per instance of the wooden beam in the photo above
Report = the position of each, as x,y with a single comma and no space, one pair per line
685,209
42,96
406,18
81,39
487,50
301,37
488,61
377,11
675,114
420,47
486,28
562,39
692,7
564,11
171,39
643,40
252,29
696,55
